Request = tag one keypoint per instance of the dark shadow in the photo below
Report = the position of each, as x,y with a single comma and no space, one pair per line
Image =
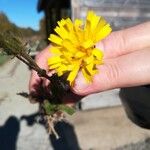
31,119
141,145
9,134
136,102
67,140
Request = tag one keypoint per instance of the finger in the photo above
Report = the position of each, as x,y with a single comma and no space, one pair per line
34,81
126,41
41,60
128,70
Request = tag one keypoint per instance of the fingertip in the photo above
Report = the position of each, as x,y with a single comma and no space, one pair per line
80,85
100,82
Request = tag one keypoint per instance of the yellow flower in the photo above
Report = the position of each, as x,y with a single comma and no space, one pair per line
74,47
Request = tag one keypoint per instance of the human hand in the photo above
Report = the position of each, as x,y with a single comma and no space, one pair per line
38,86
126,61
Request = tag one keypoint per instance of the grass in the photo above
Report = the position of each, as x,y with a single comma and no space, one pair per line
3,59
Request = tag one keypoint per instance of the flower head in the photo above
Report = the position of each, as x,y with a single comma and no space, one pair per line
74,46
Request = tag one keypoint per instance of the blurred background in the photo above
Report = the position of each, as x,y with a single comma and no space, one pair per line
100,123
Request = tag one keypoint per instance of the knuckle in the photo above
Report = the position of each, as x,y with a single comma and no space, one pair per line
119,41
112,71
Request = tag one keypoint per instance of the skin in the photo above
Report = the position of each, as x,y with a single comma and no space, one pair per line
126,63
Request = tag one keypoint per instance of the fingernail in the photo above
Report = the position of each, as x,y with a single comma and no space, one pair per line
100,46
80,85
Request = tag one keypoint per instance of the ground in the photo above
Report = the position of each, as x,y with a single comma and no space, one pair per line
99,129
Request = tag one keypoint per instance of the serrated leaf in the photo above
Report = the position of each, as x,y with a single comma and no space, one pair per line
67,109
50,108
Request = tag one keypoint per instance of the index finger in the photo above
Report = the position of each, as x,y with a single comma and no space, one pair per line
126,41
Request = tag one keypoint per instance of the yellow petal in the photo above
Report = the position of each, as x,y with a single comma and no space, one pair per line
90,68
73,74
61,31
89,59
54,66
87,44
69,46
73,38
62,22
62,68
67,56
98,62
94,20
97,53
70,67
105,31
55,39
79,54
86,75
78,22
54,60
55,50
79,35
59,73
69,25
87,31
78,30
101,24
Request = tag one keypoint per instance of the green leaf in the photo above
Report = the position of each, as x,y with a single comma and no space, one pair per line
67,109
50,108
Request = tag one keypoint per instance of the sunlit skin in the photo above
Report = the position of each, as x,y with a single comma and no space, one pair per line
126,63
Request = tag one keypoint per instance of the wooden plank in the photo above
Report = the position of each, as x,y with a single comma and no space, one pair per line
104,99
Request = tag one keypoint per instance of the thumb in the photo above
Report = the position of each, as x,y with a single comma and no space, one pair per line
103,80
125,71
